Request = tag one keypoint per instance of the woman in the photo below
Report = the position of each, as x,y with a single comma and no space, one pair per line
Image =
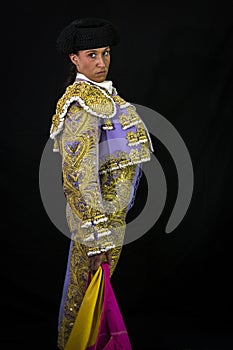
103,142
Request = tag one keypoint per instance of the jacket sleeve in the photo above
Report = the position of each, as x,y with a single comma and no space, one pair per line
86,217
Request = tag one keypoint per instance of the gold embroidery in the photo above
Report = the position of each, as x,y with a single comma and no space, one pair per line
97,101
56,145
133,115
129,119
134,155
80,174
88,209
135,138
124,120
116,188
124,160
119,100
107,125
132,138
141,134
92,98
144,153
55,121
74,108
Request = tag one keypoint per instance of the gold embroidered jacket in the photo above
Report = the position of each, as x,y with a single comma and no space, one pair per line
102,141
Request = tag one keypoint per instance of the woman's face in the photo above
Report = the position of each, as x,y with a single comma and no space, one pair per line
94,63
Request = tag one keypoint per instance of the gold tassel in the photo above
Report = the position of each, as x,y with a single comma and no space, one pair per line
132,138
141,133
107,125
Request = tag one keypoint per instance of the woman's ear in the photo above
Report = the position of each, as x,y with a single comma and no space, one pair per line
74,58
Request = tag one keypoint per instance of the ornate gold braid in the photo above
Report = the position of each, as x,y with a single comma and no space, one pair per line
92,98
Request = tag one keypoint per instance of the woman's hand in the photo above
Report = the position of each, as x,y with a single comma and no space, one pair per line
96,260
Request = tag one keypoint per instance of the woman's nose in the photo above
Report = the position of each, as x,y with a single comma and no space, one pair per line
101,62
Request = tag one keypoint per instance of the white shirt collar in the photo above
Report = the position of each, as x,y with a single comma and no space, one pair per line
107,84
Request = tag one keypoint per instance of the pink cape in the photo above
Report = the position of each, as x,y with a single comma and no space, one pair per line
112,331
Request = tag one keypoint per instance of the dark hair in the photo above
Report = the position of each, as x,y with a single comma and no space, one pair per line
72,71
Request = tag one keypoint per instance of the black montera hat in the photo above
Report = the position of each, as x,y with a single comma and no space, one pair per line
86,33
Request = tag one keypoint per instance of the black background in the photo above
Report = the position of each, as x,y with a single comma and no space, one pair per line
174,290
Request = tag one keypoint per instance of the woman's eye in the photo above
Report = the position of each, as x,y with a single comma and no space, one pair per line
106,53
92,55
